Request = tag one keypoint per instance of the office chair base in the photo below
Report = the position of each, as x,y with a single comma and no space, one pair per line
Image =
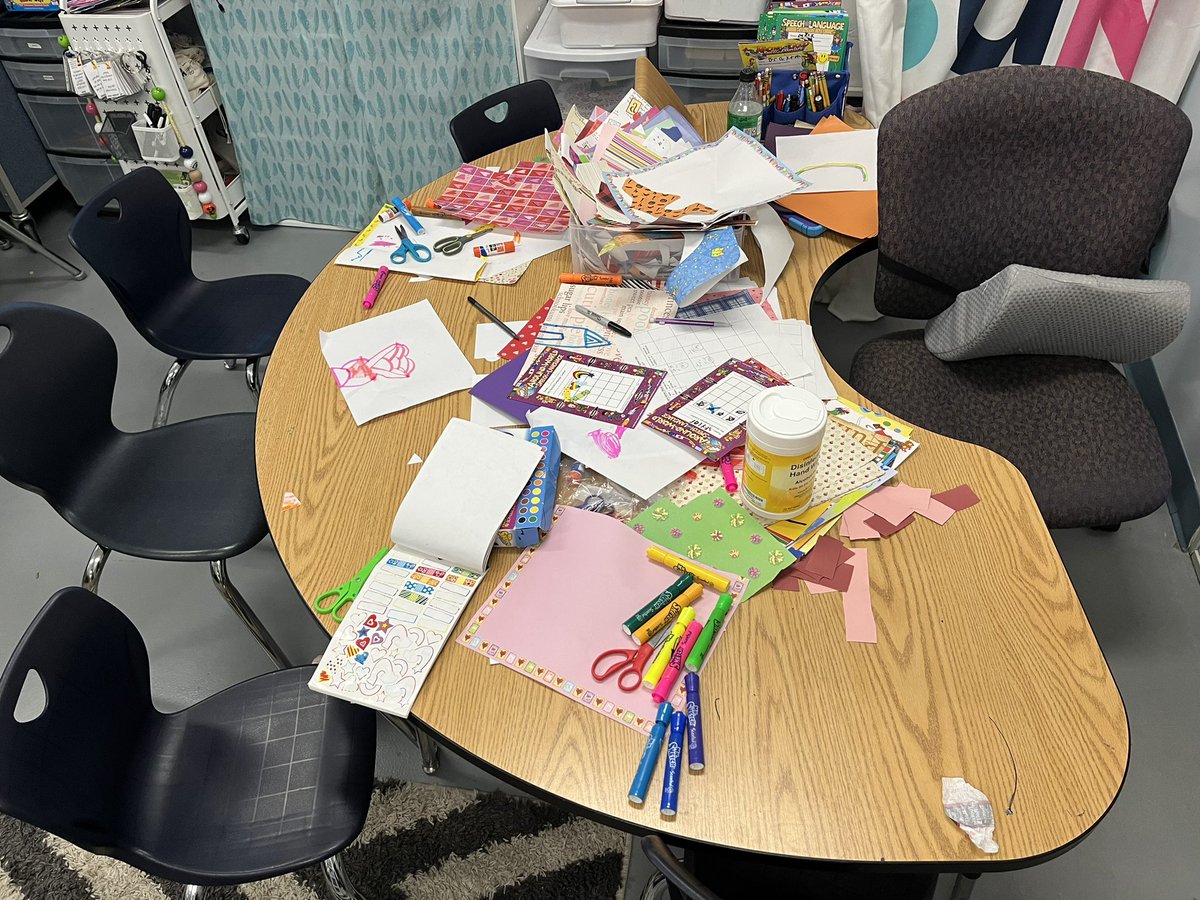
337,882
94,568
252,378
424,743
167,391
243,611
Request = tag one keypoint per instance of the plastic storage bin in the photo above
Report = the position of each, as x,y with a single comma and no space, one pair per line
700,49
62,124
701,89
157,144
546,57
31,43
746,11
608,23
83,176
38,77
637,254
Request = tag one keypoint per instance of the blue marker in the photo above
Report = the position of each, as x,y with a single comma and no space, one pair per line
670,793
406,211
695,727
645,769
805,226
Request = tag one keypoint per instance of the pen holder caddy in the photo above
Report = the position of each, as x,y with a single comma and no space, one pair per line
786,80
651,254
117,137
157,144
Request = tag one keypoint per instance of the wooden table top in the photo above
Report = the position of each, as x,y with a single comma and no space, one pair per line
823,749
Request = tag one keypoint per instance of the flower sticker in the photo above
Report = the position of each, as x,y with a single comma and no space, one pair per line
695,551
735,553
676,533
659,514
737,520
718,502
639,528
753,572
717,536
696,517
756,538
775,557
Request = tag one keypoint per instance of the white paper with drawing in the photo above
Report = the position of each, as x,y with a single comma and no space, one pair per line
567,329
388,363
838,161
389,639
704,184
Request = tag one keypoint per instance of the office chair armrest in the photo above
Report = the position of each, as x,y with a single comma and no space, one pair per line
664,860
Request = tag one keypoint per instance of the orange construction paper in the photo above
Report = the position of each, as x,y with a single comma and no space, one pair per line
853,213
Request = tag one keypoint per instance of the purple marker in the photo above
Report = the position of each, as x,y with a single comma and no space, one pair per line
670,791
695,730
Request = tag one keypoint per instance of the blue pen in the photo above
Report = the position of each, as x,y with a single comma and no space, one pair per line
405,211
645,769
670,792
695,730
806,227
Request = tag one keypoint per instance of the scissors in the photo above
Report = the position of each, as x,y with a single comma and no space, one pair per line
407,248
344,594
630,664
452,245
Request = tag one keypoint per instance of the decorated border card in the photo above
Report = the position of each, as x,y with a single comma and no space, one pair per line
600,389
710,416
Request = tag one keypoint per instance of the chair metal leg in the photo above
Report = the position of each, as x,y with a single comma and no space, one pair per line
94,567
337,882
167,391
243,611
194,892
963,885
252,381
425,744
34,244
231,364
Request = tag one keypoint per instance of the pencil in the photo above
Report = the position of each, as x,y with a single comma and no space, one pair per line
487,312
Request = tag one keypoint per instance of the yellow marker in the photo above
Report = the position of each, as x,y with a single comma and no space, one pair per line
668,612
664,652
701,574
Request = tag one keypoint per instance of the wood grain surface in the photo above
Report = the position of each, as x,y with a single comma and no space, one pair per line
816,747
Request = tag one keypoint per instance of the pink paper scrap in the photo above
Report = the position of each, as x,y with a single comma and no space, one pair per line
938,512
854,525
896,502
856,603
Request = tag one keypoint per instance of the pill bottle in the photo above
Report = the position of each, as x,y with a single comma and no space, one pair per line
783,443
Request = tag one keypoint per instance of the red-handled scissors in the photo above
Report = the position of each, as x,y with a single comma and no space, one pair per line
630,664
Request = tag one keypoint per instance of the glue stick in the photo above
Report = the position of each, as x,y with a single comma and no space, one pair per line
499,247
784,430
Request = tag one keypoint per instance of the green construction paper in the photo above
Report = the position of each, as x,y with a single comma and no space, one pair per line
715,531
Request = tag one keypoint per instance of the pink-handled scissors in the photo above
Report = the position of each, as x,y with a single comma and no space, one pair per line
630,664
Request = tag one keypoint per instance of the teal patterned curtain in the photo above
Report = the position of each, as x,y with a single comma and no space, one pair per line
336,105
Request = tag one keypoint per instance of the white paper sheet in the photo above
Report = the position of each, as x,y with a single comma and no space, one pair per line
775,241
465,488
373,248
730,174
390,362
838,161
490,339
799,336
645,461
567,329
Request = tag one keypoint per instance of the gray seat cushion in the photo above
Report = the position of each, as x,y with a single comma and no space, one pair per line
1074,427
1021,309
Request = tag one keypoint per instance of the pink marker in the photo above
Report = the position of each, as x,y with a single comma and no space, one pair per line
376,287
731,484
675,666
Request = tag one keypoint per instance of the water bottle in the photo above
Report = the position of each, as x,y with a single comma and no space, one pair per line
746,109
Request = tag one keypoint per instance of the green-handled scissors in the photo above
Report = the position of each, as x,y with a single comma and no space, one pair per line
452,245
344,594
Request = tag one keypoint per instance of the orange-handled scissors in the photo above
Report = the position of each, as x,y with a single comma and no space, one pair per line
630,664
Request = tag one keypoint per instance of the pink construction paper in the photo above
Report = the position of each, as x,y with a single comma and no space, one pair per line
563,603
822,560
838,581
938,512
895,502
854,525
886,528
856,603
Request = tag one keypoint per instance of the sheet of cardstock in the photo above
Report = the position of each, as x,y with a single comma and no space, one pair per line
523,342
387,363
775,242
468,483
853,213
483,413
490,338
897,501
565,328
958,499
839,161
714,531
712,259
522,198
529,624
495,387
701,186
386,646
601,389
373,247
710,416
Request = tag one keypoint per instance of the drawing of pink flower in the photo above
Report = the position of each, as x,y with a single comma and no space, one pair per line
695,551
737,520
676,533
718,502
639,528
717,536
756,538
659,514
753,572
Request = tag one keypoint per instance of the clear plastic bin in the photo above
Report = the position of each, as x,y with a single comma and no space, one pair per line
702,90
607,23
83,176
31,43
546,56
703,56
45,78
157,144
745,11
636,254
62,124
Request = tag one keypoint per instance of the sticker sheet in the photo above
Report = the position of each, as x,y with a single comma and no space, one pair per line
710,416
385,647
523,198
600,389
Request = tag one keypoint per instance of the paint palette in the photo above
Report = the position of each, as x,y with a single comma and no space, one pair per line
531,516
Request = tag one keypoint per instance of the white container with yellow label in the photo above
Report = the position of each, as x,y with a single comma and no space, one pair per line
784,430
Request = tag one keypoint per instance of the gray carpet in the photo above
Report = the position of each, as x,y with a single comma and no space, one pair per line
420,842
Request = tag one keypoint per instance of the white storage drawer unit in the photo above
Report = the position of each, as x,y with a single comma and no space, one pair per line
607,23
745,11
546,57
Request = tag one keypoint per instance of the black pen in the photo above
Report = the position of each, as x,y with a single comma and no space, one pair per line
487,312
596,317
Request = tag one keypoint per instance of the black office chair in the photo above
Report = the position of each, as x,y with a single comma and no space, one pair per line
261,779
710,873
143,253
1028,165
529,109
184,492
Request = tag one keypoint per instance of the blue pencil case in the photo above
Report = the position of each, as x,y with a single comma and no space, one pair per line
786,80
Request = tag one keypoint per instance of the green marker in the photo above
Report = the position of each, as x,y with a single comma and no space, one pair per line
650,610
711,627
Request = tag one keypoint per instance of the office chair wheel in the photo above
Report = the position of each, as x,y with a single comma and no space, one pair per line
1108,528
242,234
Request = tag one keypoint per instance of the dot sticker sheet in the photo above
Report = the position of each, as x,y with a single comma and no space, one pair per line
523,198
